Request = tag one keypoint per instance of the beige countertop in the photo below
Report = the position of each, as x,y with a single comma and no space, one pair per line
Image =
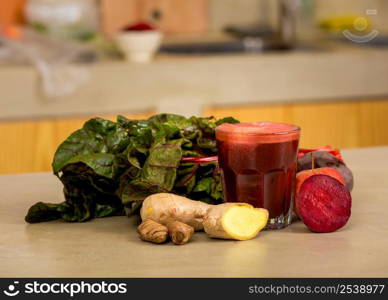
110,247
186,84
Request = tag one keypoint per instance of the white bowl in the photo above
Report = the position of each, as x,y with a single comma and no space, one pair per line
139,46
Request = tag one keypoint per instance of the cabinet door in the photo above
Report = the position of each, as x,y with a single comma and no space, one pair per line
29,146
11,12
342,124
170,16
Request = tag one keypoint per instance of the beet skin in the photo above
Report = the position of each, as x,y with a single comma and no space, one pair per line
323,203
324,159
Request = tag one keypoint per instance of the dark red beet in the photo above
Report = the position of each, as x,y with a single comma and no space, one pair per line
323,203
324,159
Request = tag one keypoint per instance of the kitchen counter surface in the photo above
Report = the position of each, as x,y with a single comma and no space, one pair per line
110,247
186,84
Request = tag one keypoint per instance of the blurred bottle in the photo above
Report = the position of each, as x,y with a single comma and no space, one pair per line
306,26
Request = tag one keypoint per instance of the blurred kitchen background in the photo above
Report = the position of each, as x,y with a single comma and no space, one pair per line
321,64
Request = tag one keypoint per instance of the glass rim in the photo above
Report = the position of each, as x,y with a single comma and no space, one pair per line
296,129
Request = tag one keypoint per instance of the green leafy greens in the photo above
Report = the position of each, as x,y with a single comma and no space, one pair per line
108,168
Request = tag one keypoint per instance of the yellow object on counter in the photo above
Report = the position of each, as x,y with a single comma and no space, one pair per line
340,23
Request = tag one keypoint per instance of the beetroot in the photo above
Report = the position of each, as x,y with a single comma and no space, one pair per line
303,175
324,159
323,203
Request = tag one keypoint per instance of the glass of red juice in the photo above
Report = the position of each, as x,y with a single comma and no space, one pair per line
258,166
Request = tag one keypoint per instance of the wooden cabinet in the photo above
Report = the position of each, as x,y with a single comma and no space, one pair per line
11,12
29,146
170,16
342,124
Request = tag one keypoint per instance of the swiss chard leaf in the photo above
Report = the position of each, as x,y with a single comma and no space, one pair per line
98,136
230,120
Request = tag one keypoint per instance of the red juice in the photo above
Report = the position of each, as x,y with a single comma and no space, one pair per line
258,166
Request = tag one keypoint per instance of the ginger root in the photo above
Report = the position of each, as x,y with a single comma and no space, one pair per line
180,233
238,221
152,231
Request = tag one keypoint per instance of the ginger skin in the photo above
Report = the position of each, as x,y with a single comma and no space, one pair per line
238,221
180,233
152,231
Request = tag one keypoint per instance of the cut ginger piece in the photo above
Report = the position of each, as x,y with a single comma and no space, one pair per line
244,223
238,221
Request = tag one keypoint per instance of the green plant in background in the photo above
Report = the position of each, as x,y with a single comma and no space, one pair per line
107,168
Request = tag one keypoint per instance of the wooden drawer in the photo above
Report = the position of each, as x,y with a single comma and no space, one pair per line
342,124
29,146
